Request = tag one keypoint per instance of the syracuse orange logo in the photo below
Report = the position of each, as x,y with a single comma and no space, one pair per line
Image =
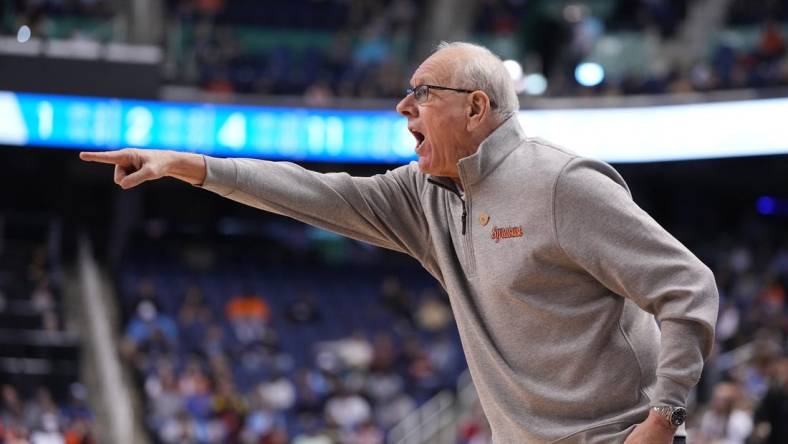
506,232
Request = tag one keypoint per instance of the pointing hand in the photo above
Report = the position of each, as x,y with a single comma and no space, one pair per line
133,166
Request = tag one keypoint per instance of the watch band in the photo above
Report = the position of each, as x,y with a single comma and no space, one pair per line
675,415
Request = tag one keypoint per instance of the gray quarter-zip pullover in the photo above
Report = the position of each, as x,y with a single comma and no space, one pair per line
556,277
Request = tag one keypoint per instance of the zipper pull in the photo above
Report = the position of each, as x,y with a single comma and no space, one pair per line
464,217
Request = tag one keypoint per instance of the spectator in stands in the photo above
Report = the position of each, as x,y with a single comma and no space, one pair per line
262,422
179,429
43,421
145,291
214,342
347,409
373,49
48,431
386,352
219,366
43,413
354,352
771,44
277,436
194,317
444,353
366,433
149,330
77,405
229,407
79,432
433,314
754,374
248,313
728,419
383,385
396,299
164,396
193,381
313,434
728,324
278,392
312,388
393,409
772,413
422,373
13,411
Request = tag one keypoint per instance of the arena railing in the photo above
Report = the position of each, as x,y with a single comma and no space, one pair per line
433,422
114,412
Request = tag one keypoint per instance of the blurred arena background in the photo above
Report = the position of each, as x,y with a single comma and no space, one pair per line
165,314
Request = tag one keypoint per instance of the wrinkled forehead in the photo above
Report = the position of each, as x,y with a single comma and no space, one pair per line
437,69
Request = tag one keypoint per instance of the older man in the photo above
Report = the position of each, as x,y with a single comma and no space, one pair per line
555,275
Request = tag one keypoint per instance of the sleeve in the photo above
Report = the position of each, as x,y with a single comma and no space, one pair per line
602,230
383,210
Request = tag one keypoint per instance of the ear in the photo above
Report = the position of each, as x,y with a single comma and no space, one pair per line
478,108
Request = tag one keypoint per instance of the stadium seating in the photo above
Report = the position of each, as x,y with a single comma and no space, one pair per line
349,316
39,351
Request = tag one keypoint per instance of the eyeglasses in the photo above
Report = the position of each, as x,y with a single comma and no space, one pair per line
422,92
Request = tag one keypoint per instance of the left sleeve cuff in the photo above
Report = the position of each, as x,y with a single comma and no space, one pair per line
670,392
221,175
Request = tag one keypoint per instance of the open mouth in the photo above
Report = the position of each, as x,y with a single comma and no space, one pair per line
419,138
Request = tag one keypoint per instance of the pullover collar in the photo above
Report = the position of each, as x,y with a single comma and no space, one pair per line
492,151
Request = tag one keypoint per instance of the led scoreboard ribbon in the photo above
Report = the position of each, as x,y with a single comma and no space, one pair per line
267,132
635,134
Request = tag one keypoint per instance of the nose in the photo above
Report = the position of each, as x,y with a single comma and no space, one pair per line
407,106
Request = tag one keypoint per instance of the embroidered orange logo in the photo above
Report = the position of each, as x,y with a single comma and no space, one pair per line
506,232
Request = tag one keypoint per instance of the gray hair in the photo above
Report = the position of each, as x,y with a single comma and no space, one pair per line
485,71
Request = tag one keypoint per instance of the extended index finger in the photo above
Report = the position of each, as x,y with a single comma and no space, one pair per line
112,157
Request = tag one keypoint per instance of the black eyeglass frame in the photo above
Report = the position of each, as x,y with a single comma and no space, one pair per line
412,90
